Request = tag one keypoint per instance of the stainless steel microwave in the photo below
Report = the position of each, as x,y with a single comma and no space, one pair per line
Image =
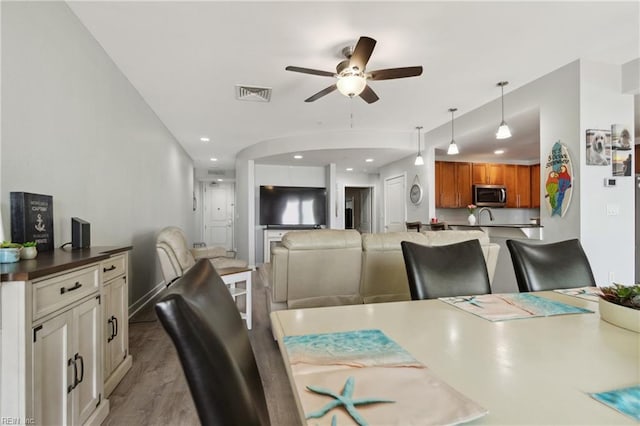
489,195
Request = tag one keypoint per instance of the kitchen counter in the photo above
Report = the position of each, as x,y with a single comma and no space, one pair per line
529,231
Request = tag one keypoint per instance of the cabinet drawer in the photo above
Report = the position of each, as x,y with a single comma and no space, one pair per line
113,267
55,293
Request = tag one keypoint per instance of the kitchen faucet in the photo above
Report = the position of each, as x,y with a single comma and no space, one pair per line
485,209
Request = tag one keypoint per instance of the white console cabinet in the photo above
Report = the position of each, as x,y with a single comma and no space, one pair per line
53,360
117,360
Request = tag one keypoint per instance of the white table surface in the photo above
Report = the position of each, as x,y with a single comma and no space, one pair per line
526,371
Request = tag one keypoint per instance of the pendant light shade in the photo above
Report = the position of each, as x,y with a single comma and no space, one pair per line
453,147
503,130
419,160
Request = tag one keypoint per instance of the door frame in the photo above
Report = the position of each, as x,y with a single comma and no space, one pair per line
203,216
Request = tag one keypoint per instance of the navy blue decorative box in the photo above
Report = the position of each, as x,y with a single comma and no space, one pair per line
32,219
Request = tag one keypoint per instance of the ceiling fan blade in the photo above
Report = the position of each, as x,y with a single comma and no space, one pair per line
369,95
361,53
392,73
310,71
321,93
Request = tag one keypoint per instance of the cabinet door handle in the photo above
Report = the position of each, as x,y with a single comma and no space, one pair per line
79,357
76,286
115,321
110,322
75,374
110,268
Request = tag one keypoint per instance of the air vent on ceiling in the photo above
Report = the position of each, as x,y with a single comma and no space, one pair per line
252,93
213,172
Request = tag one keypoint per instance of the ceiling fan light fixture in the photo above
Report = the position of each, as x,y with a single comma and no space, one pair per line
419,160
351,84
453,147
503,130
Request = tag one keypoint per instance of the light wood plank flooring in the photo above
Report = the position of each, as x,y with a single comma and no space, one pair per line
155,392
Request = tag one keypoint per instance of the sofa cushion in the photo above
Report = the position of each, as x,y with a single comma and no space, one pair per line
323,267
322,239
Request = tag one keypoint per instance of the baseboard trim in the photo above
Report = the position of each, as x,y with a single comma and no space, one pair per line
135,307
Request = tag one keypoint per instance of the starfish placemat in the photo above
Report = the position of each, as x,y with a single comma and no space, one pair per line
588,293
626,400
501,307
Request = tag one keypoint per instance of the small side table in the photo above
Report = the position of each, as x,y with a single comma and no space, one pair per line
231,276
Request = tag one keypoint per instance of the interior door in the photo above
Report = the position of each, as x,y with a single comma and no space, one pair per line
395,210
219,215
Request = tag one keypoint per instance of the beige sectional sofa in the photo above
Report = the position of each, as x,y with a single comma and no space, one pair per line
329,267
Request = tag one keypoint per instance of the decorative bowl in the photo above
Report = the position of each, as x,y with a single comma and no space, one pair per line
620,316
9,255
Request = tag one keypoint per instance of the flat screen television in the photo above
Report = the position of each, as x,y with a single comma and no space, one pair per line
293,206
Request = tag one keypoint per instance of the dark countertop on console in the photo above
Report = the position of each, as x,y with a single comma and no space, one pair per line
57,260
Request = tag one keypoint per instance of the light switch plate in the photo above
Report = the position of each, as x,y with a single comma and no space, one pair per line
613,209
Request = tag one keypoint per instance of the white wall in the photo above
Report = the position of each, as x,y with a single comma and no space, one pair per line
75,128
425,175
608,240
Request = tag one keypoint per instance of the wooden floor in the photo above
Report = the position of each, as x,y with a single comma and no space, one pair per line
155,392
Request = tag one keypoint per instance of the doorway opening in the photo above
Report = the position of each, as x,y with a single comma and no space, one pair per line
358,208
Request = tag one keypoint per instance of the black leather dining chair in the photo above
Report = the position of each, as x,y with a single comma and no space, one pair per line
201,318
551,266
445,271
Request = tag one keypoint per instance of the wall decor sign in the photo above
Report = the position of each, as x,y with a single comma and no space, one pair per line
621,157
598,144
559,176
32,219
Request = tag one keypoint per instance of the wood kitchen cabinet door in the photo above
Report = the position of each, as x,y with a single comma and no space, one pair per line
517,180
453,184
535,186
488,173
495,174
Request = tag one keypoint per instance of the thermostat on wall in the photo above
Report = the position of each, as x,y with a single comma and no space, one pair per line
609,182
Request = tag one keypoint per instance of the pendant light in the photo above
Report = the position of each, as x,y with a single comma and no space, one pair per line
503,130
453,148
419,161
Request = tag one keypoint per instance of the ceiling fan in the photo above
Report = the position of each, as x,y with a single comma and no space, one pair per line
352,76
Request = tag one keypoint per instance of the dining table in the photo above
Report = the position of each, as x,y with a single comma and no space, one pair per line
539,370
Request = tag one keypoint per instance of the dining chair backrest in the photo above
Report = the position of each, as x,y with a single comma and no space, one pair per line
213,345
551,266
445,271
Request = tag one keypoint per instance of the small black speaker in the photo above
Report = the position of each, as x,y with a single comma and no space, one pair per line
80,233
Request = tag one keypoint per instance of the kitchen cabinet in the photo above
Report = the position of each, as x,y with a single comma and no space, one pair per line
517,179
453,184
117,360
535,186
488,173
52,313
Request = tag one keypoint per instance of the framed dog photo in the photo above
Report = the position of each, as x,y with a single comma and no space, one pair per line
622,157
598,147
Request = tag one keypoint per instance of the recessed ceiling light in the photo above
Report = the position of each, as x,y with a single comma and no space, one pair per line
499,151
214,159
349,169
205,139
219,180
297,157
369,160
